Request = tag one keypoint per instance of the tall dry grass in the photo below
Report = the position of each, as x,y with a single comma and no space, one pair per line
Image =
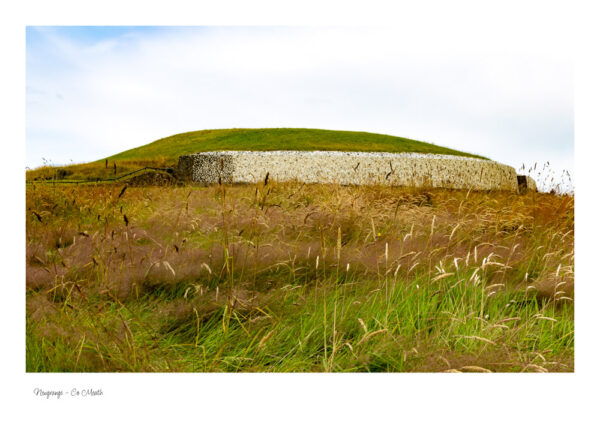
294,277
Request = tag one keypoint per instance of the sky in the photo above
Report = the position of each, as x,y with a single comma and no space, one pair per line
95,91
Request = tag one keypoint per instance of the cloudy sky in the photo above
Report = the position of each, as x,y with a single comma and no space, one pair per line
95,91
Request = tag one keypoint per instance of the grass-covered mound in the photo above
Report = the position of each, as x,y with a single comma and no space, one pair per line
280,139
166,151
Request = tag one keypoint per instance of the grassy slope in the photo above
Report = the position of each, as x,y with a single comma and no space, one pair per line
279,139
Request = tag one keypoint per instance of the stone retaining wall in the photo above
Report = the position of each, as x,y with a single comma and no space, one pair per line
348,168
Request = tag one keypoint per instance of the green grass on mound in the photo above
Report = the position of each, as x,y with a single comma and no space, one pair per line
280,139
166,151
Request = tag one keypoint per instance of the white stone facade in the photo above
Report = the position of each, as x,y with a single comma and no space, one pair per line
348,168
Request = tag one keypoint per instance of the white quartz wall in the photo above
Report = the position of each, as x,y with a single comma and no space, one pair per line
350,168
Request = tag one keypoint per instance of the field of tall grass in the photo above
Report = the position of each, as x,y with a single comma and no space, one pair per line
288,277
